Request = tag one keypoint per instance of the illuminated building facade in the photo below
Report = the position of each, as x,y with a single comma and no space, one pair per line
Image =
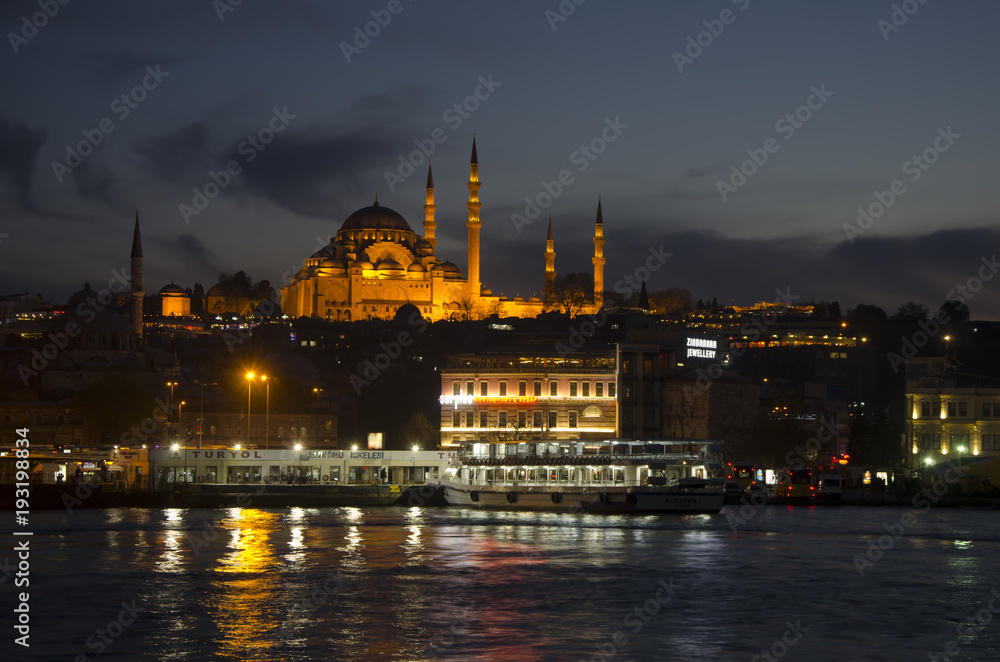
527,393
945,420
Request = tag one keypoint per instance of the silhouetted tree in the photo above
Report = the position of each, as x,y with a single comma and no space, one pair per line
572,292
955,311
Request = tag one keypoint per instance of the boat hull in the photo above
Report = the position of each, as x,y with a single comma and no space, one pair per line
610,500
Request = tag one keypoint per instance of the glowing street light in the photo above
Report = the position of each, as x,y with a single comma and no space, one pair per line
267,409
249,392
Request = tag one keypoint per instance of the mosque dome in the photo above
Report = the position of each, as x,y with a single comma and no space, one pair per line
376,217
363,264
450,268
389,265
415,267
172,290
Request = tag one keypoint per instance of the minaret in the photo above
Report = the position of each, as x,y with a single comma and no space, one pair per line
429,208
598,258
550,263
473,223
136,279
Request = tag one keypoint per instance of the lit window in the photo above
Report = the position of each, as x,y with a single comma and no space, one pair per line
456,388
572,419
599,389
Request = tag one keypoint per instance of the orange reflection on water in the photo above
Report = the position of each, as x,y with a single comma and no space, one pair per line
248,586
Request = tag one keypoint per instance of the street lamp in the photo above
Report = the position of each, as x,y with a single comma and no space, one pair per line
170,404
249,392
960,449
201,411
267,409
180,409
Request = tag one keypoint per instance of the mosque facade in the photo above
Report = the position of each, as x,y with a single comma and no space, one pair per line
376,263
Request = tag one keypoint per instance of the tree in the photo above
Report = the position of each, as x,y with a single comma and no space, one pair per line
911,311
470,310
834,310
242,294
198,300
572,292
670,300
954,311
419,431
511,430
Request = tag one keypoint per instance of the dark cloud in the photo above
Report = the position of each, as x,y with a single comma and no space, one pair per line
308,170
171,154
94,182
19,146
189,251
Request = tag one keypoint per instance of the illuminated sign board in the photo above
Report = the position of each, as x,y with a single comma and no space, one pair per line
487,399
700,348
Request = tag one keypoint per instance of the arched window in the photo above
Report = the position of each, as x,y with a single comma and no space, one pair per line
592,412
213,430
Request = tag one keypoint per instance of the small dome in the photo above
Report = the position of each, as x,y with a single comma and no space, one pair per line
362,264
389,265
486,292
376,217
423,248
450,268
82,296
172,290
415,267
534,299
328,263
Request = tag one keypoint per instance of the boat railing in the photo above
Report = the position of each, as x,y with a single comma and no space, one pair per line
578,460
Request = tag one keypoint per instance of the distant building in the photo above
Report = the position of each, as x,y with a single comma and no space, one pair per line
946,419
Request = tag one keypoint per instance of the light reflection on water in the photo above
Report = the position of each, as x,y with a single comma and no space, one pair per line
412,583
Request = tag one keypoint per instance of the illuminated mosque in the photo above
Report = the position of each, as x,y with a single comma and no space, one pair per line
376,263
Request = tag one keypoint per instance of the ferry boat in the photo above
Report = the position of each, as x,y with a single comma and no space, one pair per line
611,476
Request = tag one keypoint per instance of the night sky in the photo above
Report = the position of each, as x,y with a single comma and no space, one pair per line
555,83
